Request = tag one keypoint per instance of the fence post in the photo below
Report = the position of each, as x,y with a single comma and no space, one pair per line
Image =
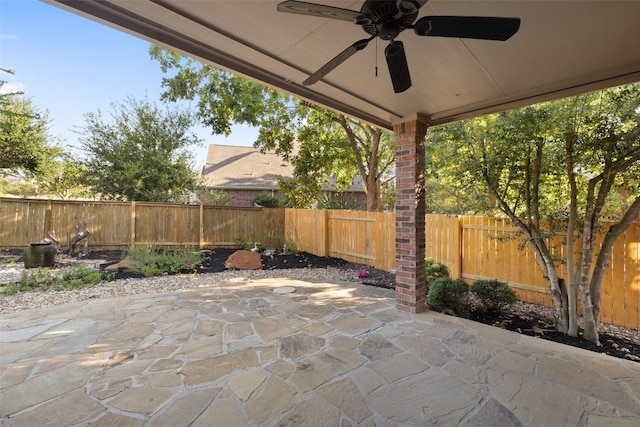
326,238
457,237
47,218
132,233
201,226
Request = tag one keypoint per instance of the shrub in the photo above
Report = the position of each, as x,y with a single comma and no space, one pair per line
43,279
266,200
249,242
433,270
180,261
5,260
213,197
337,201
449,296
79,277
493,295
151,261
290,247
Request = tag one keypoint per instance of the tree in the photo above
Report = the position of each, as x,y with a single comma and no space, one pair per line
450,187
23,132
20,188
323,146
62,176
561,160
141,153
608,140
335,149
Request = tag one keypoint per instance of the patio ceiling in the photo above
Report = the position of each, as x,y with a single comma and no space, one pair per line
562,48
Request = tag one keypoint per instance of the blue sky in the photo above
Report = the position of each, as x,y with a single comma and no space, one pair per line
70,65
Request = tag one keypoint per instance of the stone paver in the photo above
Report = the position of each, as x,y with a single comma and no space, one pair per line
57,411
244,385
236,353
143,400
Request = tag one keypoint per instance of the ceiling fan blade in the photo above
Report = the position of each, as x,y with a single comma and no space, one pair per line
319,10
339,59
398,67
468,27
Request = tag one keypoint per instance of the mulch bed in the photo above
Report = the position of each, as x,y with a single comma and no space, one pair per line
533,324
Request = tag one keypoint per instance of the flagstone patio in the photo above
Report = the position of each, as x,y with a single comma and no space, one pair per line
336,354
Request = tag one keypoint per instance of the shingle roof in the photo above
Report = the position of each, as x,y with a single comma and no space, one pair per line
232,167
229,166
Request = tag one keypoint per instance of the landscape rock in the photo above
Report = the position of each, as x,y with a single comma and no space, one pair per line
127,264
111,268
244,260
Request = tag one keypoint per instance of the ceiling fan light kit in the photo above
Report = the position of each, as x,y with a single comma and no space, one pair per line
386,19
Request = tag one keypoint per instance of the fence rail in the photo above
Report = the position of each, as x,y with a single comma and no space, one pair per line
119,225
472,247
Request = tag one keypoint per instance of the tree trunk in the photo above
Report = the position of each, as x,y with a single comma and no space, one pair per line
557,289
592,290
532,233
558,292
81,234
367,164
590,321
374,199
572,285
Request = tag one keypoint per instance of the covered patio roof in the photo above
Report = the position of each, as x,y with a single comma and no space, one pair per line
562,48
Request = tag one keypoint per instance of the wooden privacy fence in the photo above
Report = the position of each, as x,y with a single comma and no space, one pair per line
115,225
492,248
473,248
358,236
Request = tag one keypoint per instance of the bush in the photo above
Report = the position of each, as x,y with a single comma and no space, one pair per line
493,295
449,296
337,201
266,200
433,270
43,279
213,197
290,247
249,242
151,261
11,259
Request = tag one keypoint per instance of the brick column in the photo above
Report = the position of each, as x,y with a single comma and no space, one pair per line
410,214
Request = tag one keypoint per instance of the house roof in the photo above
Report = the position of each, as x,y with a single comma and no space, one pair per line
246,168
562,48
233,167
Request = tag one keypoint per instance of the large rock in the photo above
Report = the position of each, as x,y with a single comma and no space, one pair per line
127,264
244,260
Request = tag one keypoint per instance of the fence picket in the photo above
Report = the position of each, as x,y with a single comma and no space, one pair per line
472,247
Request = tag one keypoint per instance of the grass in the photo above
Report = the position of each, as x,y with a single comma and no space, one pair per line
6,260
148,259
43,279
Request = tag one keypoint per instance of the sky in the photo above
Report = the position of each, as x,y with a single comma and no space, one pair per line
70,66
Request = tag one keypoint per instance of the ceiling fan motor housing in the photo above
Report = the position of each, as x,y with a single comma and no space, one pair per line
387,21
388,30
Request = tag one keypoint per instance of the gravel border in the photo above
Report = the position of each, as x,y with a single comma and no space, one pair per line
151,285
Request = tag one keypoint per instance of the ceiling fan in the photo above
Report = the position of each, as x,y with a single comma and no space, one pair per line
388,18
